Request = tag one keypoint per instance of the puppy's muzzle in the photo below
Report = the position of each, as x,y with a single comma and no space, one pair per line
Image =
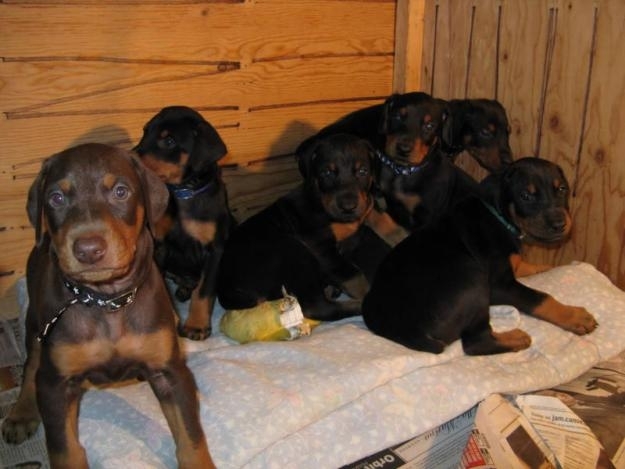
89,249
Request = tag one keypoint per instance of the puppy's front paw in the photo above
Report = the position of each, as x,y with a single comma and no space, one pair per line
194,333
514,339
16,429
356,287
578,320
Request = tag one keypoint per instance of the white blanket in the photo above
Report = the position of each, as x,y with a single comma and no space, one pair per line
342,393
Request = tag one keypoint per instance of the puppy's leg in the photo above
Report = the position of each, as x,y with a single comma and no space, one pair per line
543,306
523,269
571,318
198,324
177,394
59,400
23,419
385,227
488,342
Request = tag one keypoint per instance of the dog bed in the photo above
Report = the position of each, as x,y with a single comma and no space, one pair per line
342,393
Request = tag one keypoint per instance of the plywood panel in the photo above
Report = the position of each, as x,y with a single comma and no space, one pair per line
195,33
266,74
563,102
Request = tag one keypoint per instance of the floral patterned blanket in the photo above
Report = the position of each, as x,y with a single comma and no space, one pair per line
343,393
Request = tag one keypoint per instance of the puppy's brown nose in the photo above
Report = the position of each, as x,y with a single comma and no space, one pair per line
89,250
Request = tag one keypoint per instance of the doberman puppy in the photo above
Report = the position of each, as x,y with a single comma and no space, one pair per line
183,149
480,127
401,130
412,132
296,242
98,307
436,286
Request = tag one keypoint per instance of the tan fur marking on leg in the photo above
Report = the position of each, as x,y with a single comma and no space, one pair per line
571,318
188,452
514,339
523,269
385,227
75,456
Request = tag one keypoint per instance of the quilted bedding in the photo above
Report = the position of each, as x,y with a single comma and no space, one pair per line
343,393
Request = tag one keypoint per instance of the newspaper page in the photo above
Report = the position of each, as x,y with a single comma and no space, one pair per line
572,441
504,438
440,448
598,398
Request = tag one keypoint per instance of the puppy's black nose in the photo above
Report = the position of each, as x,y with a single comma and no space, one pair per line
89,250
348,204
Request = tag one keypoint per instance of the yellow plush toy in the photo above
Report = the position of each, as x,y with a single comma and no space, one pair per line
271,320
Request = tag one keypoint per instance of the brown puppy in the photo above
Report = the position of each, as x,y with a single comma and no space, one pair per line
98,308
183,150
297,242
436,286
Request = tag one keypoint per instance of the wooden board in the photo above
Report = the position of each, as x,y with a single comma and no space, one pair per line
266,74
556,67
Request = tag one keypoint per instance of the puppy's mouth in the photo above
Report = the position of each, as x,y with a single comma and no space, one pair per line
546,231
348,209
98,275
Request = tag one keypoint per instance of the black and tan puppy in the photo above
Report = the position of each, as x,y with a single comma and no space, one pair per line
183,150
296,241
480,127
401,130
98,308
437,285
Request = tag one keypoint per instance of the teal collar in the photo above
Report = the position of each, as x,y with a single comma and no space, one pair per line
509,226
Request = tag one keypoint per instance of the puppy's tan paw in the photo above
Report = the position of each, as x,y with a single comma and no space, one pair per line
17,429
578,320
194,333
514,339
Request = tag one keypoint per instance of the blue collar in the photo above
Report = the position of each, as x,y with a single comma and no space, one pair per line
400,169
186,193
509,226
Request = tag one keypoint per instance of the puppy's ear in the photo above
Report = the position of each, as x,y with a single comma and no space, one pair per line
305,158
147,128
34,204
208,148
155,193
452,127
389,114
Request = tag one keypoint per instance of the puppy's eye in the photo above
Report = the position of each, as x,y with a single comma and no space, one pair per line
562,190
527,196
56,199
428,125
486,133
362,172
168,142
326,173
121,192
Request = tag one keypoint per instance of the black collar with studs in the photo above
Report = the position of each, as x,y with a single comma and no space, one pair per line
400,169
89,297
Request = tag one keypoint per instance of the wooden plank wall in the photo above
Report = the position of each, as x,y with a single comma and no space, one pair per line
558,68
266,73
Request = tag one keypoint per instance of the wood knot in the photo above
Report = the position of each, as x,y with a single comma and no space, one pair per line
600,155
554,122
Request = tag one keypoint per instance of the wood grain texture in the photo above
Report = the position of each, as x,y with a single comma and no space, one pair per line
266,74
557,73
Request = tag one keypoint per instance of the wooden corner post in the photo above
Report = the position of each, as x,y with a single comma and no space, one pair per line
409,32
